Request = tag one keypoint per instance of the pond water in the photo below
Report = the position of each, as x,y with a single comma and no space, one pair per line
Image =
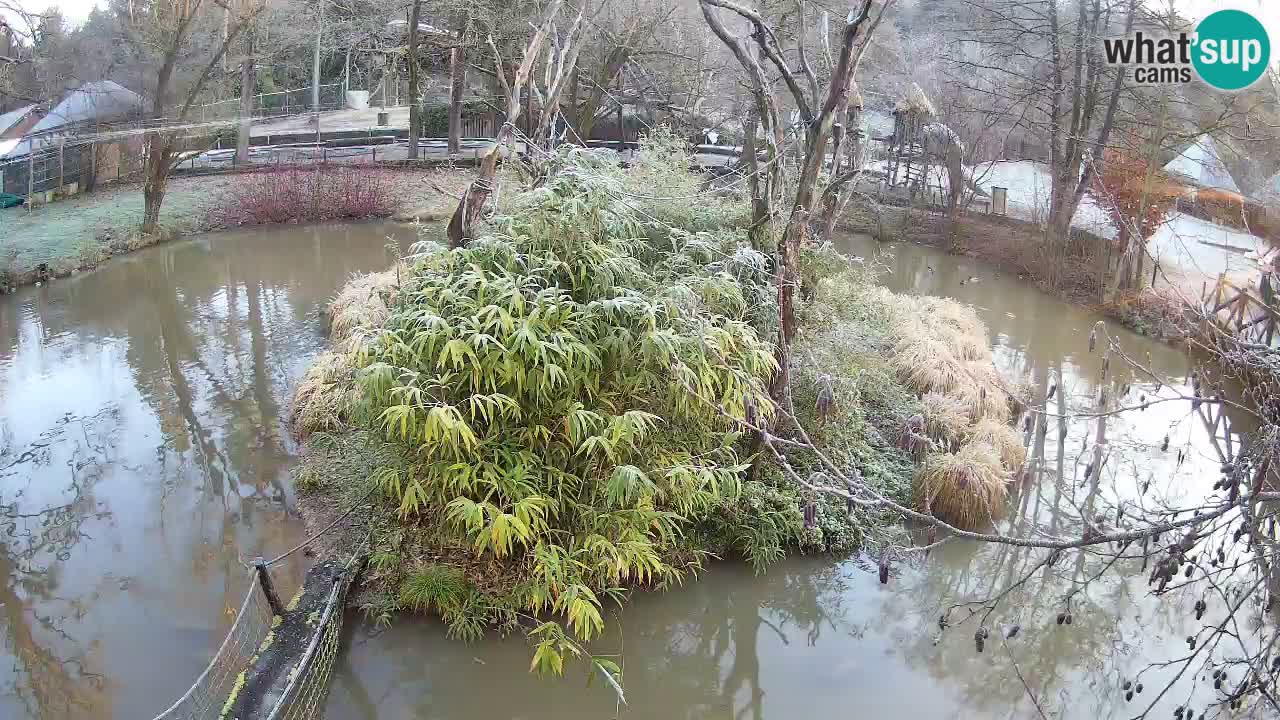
820,637
143,455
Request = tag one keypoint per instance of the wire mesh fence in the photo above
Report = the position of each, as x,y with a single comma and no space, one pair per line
209,693
304,697
72,167
215,691
273,104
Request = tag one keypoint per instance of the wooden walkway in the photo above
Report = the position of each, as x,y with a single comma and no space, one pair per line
1250,314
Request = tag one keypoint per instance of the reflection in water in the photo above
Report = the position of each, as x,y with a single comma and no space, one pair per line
142,453
822,638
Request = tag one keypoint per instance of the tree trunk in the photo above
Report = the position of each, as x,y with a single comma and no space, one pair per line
759,205
156,184
472,203
457,84
315,61
248,84
415,109
608,73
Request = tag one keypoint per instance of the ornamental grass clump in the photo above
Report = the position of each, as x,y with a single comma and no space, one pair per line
938,348
966,488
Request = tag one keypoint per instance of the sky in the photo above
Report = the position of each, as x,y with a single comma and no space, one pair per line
75,11
1268,11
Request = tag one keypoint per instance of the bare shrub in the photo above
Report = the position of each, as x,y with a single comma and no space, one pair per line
312,193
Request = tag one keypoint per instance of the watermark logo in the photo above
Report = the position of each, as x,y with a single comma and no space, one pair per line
1229,50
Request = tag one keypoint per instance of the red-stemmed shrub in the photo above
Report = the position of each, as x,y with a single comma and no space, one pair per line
305,194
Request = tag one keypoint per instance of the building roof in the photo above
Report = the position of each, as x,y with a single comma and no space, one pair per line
1201,163
96,101
103,101
13,117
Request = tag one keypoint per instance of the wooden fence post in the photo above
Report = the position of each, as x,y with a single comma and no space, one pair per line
268,587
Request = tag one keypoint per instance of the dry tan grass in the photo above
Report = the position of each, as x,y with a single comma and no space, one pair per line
1003,438
984,395
325,394
362,303
928,366
959,316
945,418
939,348
965,488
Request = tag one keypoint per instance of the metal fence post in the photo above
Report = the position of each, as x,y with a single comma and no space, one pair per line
268,588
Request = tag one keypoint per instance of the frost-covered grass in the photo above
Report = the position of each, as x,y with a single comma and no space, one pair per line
84,230
1029,185
1206,247
81,232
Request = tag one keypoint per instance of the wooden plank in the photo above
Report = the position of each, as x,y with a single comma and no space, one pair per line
1219,306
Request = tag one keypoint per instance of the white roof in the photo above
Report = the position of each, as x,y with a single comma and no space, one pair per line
11,118
1201,164
97,101
7,145
100,101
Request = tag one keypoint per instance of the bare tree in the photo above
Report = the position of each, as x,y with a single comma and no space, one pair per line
248,86
415,102
457,82
818,113
167,31
1070,101
473,200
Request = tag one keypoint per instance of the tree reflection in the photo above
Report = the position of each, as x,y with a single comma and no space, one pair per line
56,676
193,346
691,653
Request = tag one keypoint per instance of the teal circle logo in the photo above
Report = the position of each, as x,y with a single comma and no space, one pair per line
1231,49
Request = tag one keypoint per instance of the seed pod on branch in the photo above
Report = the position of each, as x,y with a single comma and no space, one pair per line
825,404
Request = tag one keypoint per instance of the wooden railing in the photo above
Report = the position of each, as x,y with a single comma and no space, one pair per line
1249,314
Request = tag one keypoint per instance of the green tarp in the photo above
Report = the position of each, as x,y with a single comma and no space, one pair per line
8,201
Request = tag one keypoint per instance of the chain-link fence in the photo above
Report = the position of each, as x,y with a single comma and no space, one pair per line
72,167
209,693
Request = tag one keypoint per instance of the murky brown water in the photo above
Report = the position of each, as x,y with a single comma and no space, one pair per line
820,637
142,454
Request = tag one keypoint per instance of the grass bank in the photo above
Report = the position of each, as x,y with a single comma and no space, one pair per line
70,236
554,416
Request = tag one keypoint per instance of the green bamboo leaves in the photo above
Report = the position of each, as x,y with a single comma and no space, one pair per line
561,411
